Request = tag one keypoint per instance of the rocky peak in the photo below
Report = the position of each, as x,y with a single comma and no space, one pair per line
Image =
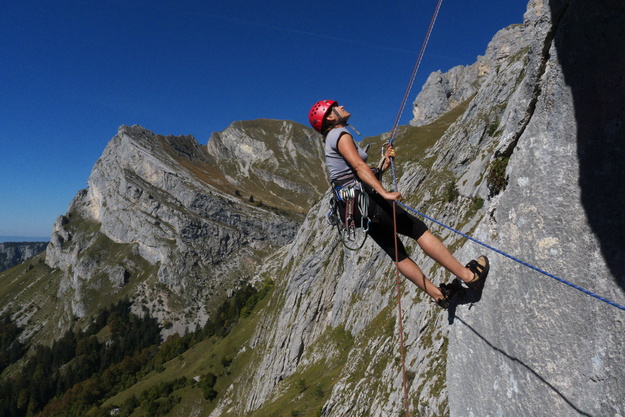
170,206
14,253
442,92
274,161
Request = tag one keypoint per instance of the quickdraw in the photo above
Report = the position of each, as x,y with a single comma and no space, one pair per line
353,195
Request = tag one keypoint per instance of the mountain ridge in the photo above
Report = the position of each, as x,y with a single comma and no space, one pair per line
151,202
15,252
504,164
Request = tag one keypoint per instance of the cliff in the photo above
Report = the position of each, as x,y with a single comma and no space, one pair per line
515,141
14,253
164,223
542,348
521,151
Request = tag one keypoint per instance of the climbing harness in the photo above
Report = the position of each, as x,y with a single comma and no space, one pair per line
350,191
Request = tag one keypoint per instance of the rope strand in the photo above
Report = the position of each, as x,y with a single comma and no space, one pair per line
563,281
400,314
414,72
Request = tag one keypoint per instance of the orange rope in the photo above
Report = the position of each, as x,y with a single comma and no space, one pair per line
400,316
398,280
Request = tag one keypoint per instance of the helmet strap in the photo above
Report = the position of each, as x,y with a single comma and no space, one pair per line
342,121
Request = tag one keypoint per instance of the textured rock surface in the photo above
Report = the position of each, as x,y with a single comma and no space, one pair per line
442,92
543,96
13,253
536,347
531,346
168,201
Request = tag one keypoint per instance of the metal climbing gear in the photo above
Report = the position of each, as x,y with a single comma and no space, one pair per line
350,191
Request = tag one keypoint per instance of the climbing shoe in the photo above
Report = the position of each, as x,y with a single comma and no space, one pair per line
479,268
448,291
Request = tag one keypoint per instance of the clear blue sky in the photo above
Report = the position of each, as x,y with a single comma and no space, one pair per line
72,72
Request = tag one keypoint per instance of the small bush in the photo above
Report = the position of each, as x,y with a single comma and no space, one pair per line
491,129
497,180
226,361
451,192
301,385
207,385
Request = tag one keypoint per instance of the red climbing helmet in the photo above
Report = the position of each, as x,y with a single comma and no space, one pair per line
318,113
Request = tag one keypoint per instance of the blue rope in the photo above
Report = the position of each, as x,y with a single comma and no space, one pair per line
563,281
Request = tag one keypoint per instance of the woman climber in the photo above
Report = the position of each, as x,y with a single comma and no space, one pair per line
352,178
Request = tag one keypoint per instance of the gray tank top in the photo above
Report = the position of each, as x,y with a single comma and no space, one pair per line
337,165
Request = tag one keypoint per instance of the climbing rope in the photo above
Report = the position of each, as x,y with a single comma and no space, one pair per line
400,317
391,139
563,281
414,72
398,280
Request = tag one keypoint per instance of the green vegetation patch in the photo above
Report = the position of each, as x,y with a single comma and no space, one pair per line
497,181
306,391
118,364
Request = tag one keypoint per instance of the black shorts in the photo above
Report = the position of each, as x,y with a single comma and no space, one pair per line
381,227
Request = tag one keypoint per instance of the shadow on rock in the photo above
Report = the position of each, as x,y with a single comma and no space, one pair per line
593,69
463,296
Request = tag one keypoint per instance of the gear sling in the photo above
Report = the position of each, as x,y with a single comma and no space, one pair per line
350,193
356,205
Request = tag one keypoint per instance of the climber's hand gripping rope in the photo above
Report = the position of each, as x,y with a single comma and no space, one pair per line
388,153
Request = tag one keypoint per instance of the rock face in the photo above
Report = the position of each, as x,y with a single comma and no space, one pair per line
276,161
442,92
521,150
531,346
171,205
14,253
560,353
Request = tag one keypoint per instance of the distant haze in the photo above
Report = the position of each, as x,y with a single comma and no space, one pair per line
23,239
